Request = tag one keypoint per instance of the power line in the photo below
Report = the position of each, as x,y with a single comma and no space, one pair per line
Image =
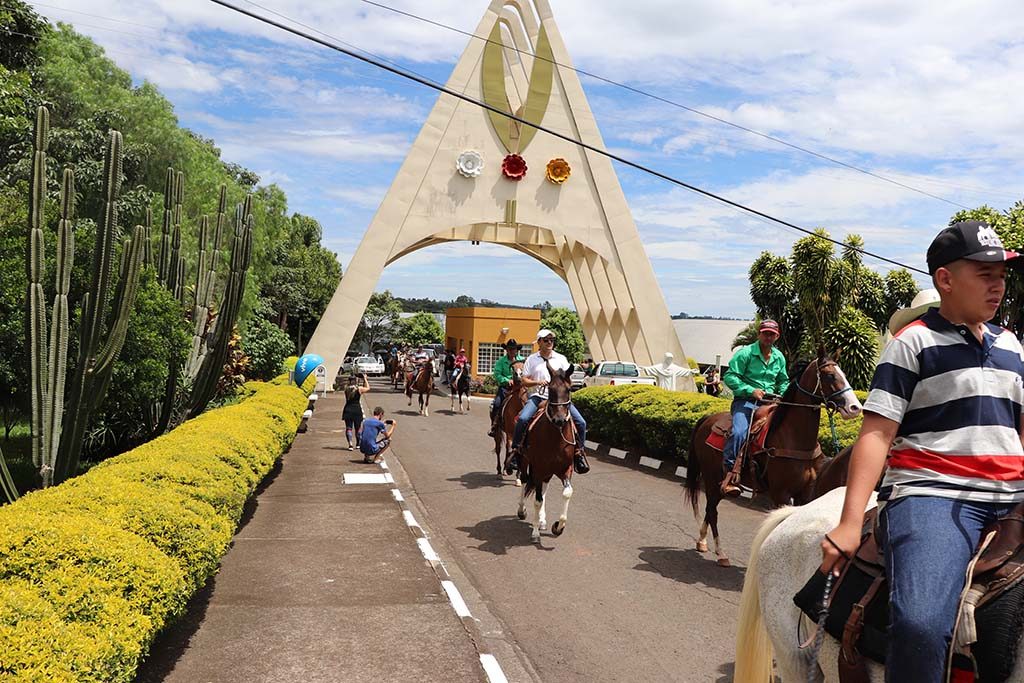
398,71
679,105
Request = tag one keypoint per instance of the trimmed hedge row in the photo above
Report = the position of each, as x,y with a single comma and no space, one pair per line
661,422
91,570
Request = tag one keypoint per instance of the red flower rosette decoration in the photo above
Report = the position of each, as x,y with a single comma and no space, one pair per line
513,167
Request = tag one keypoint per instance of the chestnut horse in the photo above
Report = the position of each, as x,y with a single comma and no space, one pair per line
460,387
423,384
515,399
550,445
791,458
398,371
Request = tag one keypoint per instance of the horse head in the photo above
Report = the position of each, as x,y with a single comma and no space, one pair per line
559,396
826,382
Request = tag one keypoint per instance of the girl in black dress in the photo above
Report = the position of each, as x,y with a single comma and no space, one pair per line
353,412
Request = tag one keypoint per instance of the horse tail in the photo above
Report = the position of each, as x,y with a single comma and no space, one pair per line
527,481
693,469
753,647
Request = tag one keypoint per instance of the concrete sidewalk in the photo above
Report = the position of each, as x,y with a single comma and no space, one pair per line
325,581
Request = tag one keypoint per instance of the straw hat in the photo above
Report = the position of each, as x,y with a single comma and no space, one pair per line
923,300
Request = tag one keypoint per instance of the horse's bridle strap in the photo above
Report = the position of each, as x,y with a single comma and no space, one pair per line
795,454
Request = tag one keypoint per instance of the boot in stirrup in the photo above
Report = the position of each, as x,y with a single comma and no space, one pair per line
579,462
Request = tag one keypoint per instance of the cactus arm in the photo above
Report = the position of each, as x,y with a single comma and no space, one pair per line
147,253
35,299
124,302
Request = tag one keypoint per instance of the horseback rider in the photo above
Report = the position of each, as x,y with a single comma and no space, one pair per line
754,371
944,413
503,377
536,378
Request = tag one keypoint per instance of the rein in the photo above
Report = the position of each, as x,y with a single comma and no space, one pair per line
819,400
560,431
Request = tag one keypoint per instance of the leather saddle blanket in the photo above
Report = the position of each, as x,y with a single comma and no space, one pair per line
722,428
989,622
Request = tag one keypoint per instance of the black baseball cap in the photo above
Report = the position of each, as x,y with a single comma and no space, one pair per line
511,344
972,240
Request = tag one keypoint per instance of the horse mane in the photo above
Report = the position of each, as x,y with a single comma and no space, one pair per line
794,380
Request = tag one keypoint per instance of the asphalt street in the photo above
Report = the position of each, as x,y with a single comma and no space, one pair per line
622,595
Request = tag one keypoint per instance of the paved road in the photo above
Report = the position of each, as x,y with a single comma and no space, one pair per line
621,596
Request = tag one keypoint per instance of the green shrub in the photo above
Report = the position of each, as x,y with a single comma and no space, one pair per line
91,570
266,344
661,422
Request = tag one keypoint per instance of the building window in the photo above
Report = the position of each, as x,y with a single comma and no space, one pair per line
487,355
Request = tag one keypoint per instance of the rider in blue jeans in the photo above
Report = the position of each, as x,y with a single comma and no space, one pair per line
754,370
536,377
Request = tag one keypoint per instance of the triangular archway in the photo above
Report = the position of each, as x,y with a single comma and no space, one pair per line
582,228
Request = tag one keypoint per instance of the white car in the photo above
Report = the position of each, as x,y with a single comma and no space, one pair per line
367,365
618,372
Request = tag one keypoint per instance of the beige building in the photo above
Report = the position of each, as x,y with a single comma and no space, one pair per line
476,175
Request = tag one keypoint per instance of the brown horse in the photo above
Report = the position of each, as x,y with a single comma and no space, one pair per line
515,399
550,445
423,384
791,459
398,371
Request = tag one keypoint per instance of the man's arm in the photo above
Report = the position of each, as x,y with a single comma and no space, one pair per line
781,379
734,375
389,429
866,463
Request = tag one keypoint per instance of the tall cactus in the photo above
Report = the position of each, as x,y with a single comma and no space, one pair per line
98,351
163,270
7,481
205,384
176,275
206,275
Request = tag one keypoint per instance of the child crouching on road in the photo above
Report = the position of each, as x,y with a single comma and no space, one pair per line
376,436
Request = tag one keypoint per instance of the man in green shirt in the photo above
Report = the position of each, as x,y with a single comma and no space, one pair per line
754,371
503,375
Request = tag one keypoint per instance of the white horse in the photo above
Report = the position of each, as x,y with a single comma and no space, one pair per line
785,553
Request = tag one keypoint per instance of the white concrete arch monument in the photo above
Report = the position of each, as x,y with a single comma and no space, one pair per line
474,175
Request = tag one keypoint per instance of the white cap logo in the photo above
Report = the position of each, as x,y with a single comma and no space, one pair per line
987,237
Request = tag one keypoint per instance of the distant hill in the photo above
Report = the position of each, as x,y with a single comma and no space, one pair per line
411,305
686,316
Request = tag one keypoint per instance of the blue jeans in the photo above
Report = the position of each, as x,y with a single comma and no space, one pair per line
927,542
741,410
530,409
499,398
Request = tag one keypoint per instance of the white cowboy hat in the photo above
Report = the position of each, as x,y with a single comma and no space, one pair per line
923,300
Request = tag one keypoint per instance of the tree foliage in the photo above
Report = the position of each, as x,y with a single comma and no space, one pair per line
266,344
418,329
568,332
380,319
819,297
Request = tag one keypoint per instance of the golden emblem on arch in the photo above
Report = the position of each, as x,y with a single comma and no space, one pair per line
558,171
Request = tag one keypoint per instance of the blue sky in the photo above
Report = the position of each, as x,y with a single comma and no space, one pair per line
926,93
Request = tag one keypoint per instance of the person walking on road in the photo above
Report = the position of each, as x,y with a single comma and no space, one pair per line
944,414
376,437
536,377
754,371
503,377
352,413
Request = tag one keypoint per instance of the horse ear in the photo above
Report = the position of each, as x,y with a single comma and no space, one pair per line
838,352
821,351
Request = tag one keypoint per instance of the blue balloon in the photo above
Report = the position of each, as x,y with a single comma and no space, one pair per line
306,365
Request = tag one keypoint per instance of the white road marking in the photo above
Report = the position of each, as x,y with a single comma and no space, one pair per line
650,462
409,519
458,604
616,453
493,669
681,472
367,478
427,550
397,495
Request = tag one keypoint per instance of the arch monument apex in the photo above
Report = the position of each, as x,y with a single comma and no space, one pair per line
463,180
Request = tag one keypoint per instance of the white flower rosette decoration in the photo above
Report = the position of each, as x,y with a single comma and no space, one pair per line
470,163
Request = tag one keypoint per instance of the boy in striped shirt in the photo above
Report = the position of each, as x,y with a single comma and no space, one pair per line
945,411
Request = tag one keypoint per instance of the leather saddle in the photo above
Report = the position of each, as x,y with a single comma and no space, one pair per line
745,470
858,611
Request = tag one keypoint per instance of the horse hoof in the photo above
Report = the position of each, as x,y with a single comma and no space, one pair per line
702,546
518,483
521,514
557,528
543,526
724,562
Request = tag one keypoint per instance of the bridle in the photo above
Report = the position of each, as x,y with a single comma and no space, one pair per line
819,399
547,415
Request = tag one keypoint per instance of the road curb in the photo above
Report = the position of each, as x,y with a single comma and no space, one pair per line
667,469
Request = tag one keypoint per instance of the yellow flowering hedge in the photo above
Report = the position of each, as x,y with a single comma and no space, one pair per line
93,569
661,421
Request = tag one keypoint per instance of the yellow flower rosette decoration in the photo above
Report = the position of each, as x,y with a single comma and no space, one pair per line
558,171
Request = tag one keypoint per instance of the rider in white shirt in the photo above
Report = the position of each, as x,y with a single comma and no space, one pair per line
536,378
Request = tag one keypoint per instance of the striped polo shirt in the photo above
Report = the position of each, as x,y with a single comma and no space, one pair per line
958,402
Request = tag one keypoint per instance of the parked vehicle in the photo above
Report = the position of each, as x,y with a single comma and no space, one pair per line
618,372
368,365
578,380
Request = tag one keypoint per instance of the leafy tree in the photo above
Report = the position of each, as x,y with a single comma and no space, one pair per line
14,366
266,344
568,332
379,319
464,301
419,329
817,297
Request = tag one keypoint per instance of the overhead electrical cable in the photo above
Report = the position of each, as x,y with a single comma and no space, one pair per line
679,105
404,73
